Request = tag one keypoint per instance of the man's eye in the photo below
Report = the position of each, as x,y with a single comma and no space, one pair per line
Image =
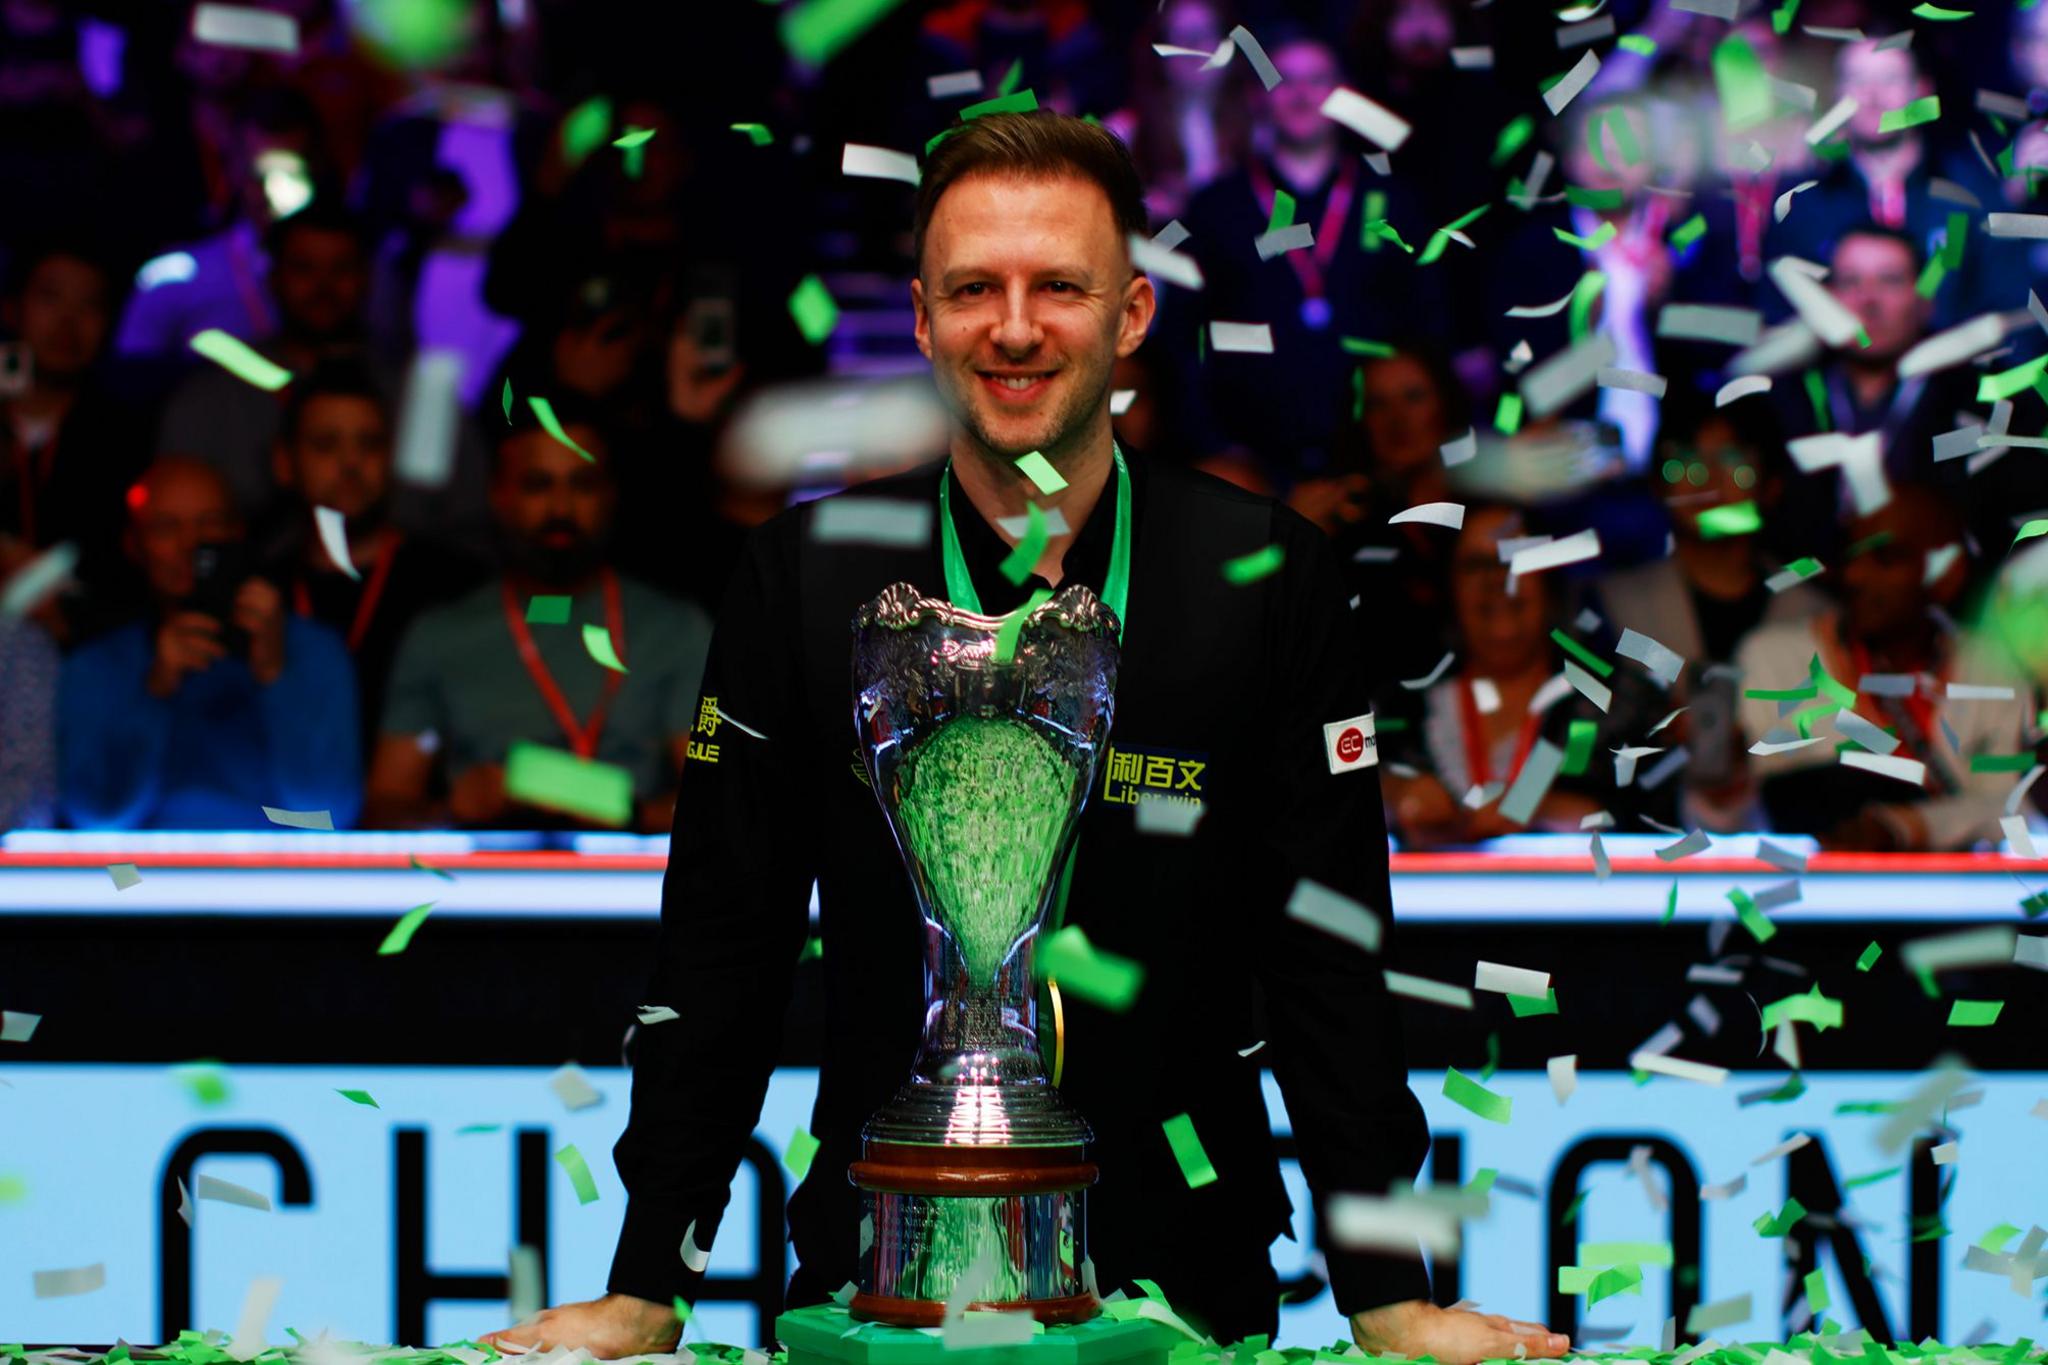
971,291
1061,286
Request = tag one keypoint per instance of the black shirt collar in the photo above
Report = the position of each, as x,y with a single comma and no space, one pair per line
1086,560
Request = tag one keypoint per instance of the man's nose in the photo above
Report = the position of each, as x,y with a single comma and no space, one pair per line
1017,331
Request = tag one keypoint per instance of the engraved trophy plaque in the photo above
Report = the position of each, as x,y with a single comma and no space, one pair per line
981,744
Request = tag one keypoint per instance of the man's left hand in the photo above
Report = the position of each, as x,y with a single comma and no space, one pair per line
1454,1336
259,609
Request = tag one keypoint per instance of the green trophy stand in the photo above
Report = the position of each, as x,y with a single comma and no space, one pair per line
827,1334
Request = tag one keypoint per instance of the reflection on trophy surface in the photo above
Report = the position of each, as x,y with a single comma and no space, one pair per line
981,745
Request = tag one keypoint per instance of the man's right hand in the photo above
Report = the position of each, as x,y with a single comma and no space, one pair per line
611,1327
187,642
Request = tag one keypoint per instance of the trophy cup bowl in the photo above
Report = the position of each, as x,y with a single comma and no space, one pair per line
977,1168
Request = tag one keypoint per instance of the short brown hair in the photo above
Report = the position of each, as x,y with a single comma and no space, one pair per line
1037,145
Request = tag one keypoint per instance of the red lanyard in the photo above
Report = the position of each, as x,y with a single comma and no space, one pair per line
1310,264
366,605
34,470
582,738
1479,768
1917,706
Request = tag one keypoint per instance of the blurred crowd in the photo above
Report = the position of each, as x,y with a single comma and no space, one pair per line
1710,395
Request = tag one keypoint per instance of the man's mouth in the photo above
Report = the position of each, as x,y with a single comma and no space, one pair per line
1016,386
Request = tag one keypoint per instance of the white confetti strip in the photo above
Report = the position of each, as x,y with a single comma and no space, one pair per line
1910,770
1120,401
1561,378
1392,1223
1248,338
1679,1068
1564,1075
125,875
1785,1148
1956,345
1590,31
1505,980
299,819
1705,1317
1335,914
32,582
1171,816
259,30
1451,514
1635,381
878,163
1172,235
1664,663
523,1296
1461,449
1435,992
1694,842
2029,225
1269,76
1727,1189
950,84
657,1014
227,1192
573,1088
1532,784
1588,686
1296,237
18,1026
1370,120
694,1256
1572,549
1472,58
1987,947
1741,387
1542,310
873,521
427,425
333,530
1428,679
1566,90
1945,1153
1828,317
2030,950
57,1284
1165,263
2018,836
1709,322
249,1338
1783,204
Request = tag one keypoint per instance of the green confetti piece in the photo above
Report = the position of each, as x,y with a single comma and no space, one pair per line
1931,277
1936,12
1019,102
1923,110
1597,200
1753,919
1375,213
505,399
1869,957
1377,230
757,133
2037,527
2007,383
1594,243
812,305
1251,568
1817,398
1578,651
1625,1253
546,610
1507,418
419,866
469,1128
1571,1210
236,357
1013,625
1742,83
1638,44
1868,543
1492,1061
1855,1182
1777,1225
401,933
1670,904
1781,17
1578,747
1817,1290
1624,138
584,129
682,1310
1994,1241
1360,346
207,1084
597,643
634,143
1689,231
1974,1013
1615,1280
1733,519
544,413
1467,1093
1481,1182
1928,988
1008,84
555,779
1024,556
361,1097
1512,138
571,1160
2001,763
1043,476
813,950
1283,211
1440,240
1526,1006
1584,293
13,1189
1086,972
1809,1008
1187,1150
1842,694
1358,393
797,1156
818,30
1955,241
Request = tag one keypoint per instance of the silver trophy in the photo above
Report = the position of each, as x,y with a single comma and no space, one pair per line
981,744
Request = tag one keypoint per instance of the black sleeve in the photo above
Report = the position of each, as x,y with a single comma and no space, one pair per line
1335,1036
733,920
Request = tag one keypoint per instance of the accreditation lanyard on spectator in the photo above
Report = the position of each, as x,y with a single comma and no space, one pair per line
1477,766
33,471
1311,264
1116,586
582,738
366,605
1915,717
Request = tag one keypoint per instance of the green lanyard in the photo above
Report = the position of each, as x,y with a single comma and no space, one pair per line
1116,587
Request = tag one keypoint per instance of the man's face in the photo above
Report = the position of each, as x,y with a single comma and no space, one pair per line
1882,591
340,457
1714,470
1025,300
319,280
1308,73
1503,634
1404,416
1873,277
64,317
553,506
173,510
1879,82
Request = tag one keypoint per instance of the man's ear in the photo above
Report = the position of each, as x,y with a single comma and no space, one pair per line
922,313
1141,304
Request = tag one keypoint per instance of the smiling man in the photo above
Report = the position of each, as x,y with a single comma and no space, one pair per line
1232,691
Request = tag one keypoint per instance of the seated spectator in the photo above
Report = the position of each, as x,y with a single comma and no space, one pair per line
334,450
68,447
1266,421
1709,593
1888,642
28,725
270,163
221,702
319,279
1182,127
475,676
1466,737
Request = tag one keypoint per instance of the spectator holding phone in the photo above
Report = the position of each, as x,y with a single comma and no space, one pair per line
222,702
